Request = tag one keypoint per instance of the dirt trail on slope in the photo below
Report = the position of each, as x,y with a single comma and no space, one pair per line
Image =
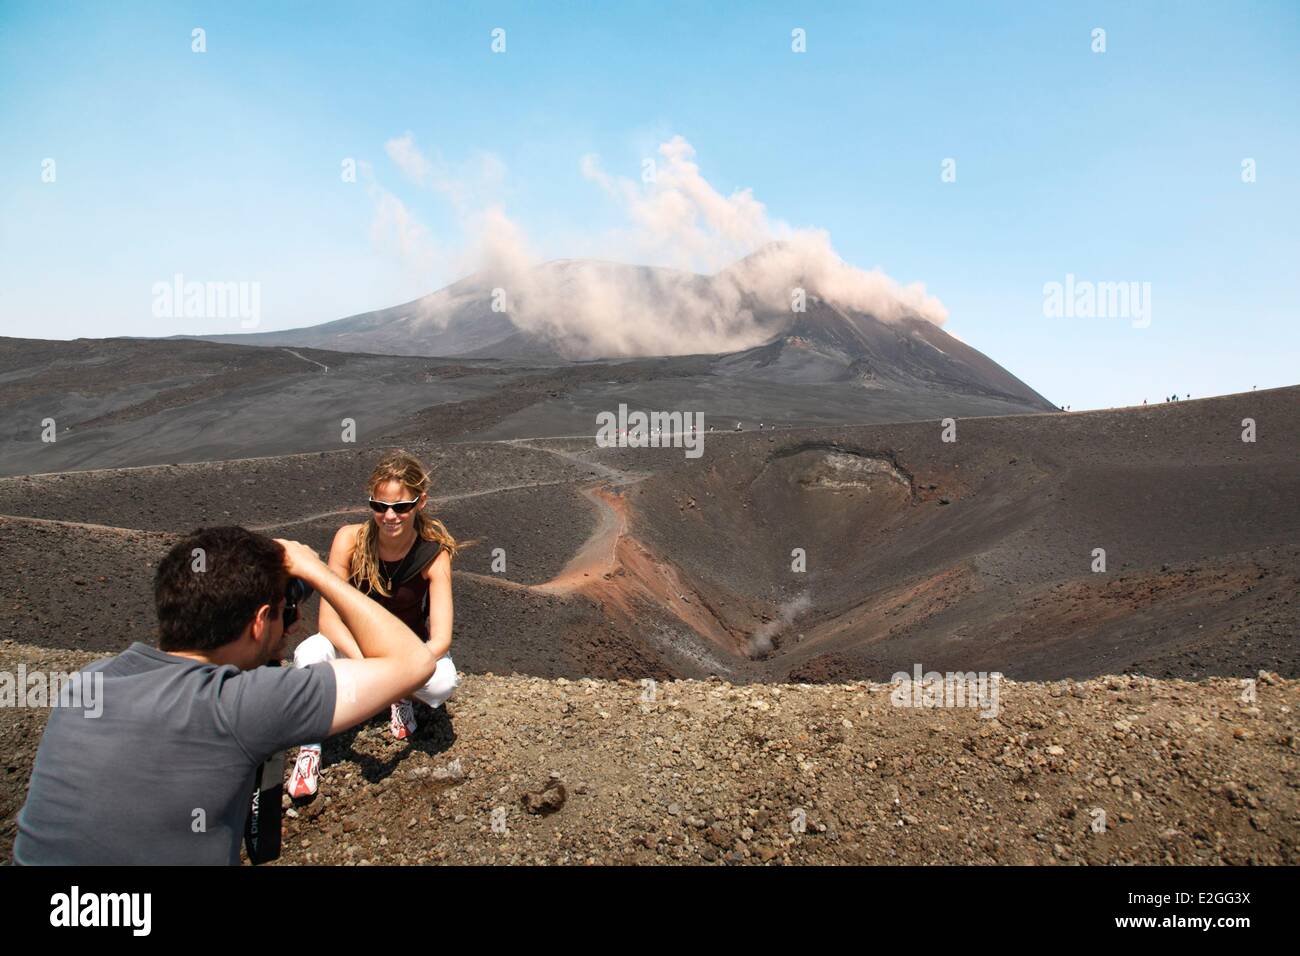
618,570
598,556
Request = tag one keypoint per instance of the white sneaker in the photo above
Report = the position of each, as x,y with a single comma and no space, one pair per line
305,779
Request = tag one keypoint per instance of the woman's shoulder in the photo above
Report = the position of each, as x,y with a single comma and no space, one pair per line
342,548
432,554
346,536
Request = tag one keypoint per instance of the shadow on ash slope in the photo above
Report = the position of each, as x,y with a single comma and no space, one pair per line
806,555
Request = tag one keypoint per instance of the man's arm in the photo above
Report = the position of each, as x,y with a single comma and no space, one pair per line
329,622
395,662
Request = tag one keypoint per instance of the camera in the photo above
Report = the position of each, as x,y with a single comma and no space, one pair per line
296,592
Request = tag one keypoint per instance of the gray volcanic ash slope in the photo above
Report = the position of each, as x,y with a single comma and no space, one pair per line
828,344
628,563
124,402
454,321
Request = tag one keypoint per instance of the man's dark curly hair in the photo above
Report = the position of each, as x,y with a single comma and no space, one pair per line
210,584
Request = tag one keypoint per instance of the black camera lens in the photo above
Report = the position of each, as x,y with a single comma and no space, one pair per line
295,593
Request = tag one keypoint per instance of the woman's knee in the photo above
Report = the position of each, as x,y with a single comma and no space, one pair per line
441,685
316,649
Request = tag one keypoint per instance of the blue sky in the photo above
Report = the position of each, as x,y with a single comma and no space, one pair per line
1115,166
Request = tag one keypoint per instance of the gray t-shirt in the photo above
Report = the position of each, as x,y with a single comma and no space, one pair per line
164,775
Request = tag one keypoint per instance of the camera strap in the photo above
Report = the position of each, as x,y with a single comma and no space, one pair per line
262,826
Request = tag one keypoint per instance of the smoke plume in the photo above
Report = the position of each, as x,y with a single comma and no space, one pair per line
725,273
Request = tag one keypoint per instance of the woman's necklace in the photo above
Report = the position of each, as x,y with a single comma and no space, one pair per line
397,565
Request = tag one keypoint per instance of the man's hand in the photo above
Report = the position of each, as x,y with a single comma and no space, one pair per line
302,562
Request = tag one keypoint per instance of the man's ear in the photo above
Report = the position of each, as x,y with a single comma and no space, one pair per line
262,623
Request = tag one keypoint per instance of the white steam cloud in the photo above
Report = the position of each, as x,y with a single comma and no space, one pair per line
725,271
762,640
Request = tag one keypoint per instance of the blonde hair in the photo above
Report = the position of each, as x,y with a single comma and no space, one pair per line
408,471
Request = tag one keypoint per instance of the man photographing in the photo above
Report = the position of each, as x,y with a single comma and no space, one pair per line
163,775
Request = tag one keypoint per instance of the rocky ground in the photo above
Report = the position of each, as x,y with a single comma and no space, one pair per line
1117,769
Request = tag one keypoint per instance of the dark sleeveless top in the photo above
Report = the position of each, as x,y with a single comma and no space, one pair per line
409,592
